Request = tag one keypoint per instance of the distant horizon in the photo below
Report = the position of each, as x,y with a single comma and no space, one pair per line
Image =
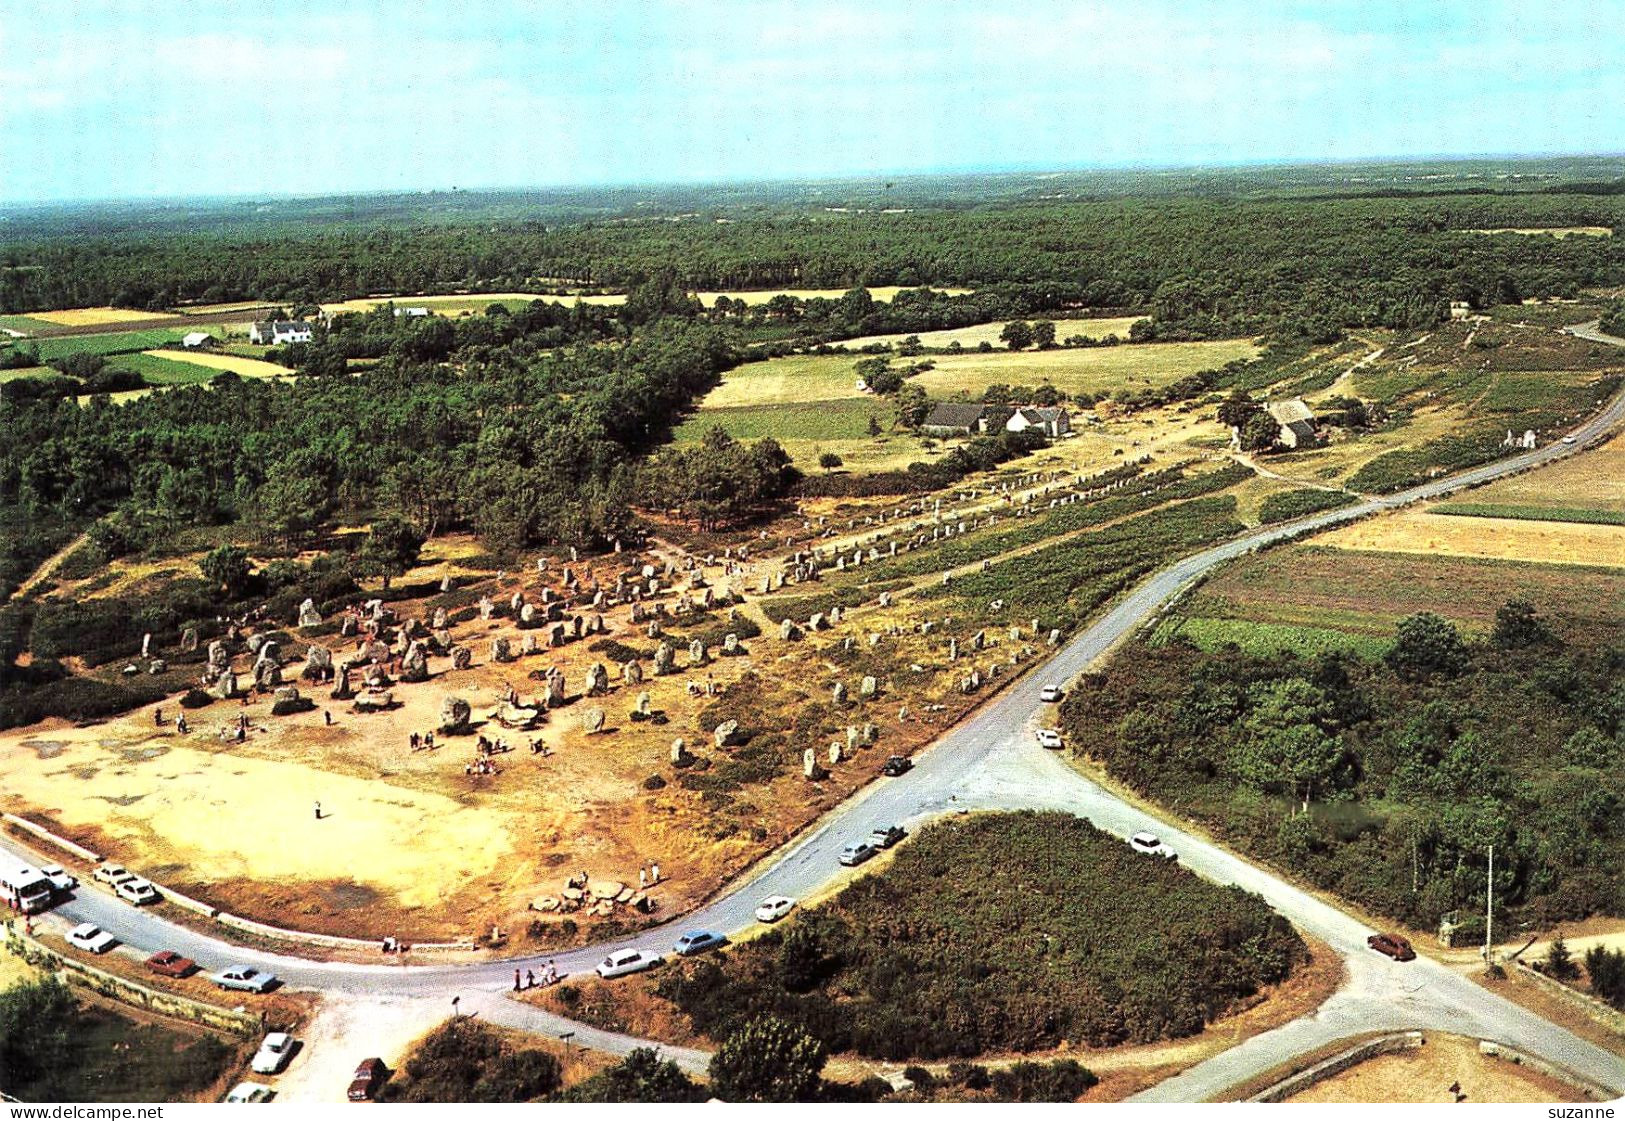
142,100
851,176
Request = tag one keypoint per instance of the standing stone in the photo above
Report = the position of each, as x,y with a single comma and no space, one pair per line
664,656
953,650
255,641
445,584
837,693
455,714
146,645
854,735
726,733
597,680
816,623
632,672
885,599
343,690
868,688
267,674
439,620
809,764
347,626
415,665
592,721
527,615
555,690
645,704
1055,637
318,661
870,734
679,753
788,631
835,755
218,658
500,650
188,640
531,643
461,657
696,653
487,608
730,644
225,686
308,615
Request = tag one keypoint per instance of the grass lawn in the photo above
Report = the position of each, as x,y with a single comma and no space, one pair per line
159,370
26,323
27,372
1264,639
237,364
117,342
821,420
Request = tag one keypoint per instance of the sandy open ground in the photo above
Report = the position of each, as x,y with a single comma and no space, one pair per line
1426,1075
989,333
1491,538
1593,480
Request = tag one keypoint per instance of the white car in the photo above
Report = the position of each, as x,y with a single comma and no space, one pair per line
61,879
624,962
1049,737
1051,694
91,938
1150,844
244,979
113,874
1568,439
274,1053
774,908
246,1092
138,891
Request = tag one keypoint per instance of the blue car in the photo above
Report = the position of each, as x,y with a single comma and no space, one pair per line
698,942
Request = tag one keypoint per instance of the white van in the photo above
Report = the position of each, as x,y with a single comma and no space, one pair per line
26,889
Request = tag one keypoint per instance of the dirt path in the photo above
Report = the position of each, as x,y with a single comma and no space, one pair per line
48,566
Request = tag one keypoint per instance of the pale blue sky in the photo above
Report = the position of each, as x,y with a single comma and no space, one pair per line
179,97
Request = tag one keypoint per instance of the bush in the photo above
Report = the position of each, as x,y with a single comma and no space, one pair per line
292,706
196,698
1287,505
1064,1080
79,699
465,1060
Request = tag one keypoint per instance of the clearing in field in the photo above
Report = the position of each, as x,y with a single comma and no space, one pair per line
884,293
1553,231
1427,1073
95,316
244,367
1486,538
989,333
157,368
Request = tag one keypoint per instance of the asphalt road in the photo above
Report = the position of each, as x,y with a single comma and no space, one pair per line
990,760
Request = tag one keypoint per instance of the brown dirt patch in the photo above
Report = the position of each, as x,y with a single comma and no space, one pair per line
1425,1075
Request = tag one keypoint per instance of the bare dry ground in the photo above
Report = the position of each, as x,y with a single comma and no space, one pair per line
96,316
1593,480
244,367
1433,534
1427,1073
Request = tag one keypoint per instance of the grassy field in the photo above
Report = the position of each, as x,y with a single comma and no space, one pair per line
1264,639
819,420
1367,594
27,324
478,302
160,369
242,366
1580,514
989,333
1593,480
883,293
1485,538
803,378
26,372
117,342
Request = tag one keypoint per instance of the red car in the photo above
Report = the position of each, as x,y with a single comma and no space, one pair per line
1396,946
368,1077
170,964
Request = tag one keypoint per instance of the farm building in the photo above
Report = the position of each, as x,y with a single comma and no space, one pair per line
1053,422
953,418
1297,422
280,331
197,339
411,312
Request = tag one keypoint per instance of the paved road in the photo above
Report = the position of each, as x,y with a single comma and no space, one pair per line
990,760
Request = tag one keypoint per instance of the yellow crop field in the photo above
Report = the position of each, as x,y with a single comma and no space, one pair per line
1594,480
883,292
1090,370
95,316
989,332
1489,538
243,367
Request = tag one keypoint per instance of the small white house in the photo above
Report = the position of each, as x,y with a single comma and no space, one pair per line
196,339
411,312
280,332
1053,422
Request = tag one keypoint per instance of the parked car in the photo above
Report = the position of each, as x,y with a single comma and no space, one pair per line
857,852
61,879
1049,737
138,891
275,1051
113,874
1150,844
246,1092
897,765
170,964
885,836
624,962
1568,439
698,942
1051,694
774,908
244,978
369,1076
91,938
1396,946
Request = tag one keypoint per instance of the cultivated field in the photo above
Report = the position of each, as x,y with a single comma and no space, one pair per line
1485,538
1094,370
475,303
1364,594
244,367
1594,481
989,333
95,316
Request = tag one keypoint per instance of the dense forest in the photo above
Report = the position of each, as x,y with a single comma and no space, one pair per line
1386,782
937,955
1202,265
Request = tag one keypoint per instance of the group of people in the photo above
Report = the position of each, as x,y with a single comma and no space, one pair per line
482,766
550,976
422,741
649,876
